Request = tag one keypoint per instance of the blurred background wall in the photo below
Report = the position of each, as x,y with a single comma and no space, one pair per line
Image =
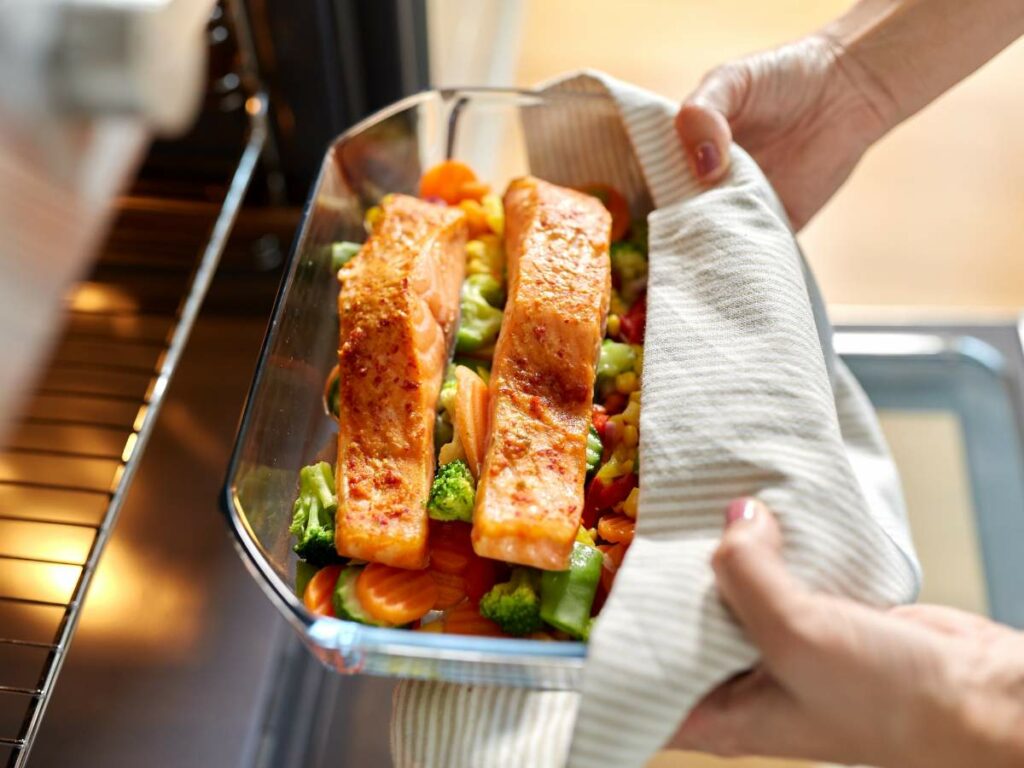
933,219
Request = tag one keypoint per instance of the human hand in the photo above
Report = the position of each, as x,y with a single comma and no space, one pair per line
917,685
804,112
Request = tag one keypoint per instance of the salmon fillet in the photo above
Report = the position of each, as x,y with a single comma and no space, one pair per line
398,308
530,492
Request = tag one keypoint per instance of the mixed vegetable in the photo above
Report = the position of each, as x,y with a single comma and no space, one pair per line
461,592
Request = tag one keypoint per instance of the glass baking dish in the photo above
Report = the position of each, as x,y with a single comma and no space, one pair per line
501,134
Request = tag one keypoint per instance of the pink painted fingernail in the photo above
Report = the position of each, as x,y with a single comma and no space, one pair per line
740,509
707,158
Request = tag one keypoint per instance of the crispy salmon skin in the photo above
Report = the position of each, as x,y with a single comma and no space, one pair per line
397,308
530,492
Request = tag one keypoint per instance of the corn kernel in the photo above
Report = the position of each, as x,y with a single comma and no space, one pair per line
373,216
616,305
614,324
630,436
628,505
494,213
632,413
627,382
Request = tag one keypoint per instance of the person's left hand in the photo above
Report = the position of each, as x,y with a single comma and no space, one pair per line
918,685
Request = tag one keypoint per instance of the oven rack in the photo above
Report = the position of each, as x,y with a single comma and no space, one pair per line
71,457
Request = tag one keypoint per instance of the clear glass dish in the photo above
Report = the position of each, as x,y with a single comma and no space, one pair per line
501,134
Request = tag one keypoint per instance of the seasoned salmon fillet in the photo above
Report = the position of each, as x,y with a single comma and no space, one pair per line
397,308
530,491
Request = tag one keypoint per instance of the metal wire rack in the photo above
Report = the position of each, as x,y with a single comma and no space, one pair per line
71,458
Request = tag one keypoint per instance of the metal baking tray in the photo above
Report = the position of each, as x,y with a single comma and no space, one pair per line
502,134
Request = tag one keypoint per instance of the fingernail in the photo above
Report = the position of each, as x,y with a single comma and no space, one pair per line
707,158
740,509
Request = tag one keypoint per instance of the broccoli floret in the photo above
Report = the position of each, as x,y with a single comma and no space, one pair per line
480,317
594,449
342,253
452,493
629,266
615,358
313,515
515,605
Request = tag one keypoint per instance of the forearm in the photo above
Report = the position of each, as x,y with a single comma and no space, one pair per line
905,53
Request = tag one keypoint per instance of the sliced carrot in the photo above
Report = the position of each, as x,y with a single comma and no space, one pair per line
451,590
395,595
616,528
465,619
615,202
447,180
471,416
473,190
450,547
319,594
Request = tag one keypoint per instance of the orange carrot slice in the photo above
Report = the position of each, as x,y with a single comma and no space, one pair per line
471,416
465,619
319,593
447,180
616,528
394,595
451,590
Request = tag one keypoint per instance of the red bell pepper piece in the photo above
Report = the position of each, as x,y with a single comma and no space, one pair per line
603,495
599,418
481,575
632,324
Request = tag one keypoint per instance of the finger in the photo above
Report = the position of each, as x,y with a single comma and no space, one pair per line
703,124
752,578
751,715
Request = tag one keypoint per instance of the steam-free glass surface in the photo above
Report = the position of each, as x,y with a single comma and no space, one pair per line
285,425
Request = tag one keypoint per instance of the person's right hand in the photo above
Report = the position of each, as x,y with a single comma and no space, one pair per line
918,686
806,113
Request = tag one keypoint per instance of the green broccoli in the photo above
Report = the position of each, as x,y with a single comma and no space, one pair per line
313,515
452,494
515,605
615,358
629,265
342,253
480,317
594,449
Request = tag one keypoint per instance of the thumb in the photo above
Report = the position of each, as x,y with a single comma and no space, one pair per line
753,580
703,123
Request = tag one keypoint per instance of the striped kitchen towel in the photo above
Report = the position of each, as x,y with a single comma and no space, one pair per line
742,395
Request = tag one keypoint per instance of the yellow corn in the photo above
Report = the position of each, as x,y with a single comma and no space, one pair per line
614,325
628,505
494,213
630,436
616,305
632,413
627,382
373,216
